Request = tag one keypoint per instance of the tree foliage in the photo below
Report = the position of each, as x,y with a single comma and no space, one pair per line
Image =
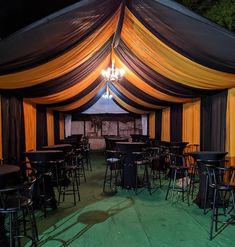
221,12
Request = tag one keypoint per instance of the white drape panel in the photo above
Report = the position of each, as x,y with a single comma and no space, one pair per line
68,125
144,120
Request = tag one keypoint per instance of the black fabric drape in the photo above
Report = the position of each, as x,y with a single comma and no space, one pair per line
187,32
56,127
158,124
126,99
80,95
66,28
155,79
116,37
13,132
213,122
89,103
67,80
141,94
41,126
176,119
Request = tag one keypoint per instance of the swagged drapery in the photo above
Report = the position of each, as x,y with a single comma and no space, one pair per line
176,123
213,122
168,52
158,125
13,144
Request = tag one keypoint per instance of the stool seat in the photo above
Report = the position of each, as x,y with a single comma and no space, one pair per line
113,171
112,160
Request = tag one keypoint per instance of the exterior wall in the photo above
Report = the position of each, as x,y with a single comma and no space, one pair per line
95,129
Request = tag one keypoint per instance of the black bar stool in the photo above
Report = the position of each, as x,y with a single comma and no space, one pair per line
15,201
113,171
178,172
142,161
222,182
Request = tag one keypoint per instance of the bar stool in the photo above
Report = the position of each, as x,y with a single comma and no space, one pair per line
71,171
178,170
193,167
17,200
79,162
113,171
142,161
222,183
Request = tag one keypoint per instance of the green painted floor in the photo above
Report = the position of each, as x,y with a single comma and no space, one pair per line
126,219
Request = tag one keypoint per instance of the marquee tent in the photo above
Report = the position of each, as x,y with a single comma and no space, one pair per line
180,68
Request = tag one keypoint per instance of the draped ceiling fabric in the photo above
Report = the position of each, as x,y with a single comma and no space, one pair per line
170,54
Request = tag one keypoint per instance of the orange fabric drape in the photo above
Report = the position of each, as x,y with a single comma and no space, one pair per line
50,127
165,135
152,117
191,122
64,63
82,101
125,105
139,83
166,61
74,90
61,125
0,127
129,95
230,126
30,124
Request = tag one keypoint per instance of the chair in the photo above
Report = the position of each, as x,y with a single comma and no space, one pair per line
178,176
79,161
85,146
142,161
15,201
113,171
222,183
192,164
70,170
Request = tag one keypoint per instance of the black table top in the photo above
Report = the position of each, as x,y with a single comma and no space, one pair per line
65,145
129,147
45,155
44,151
8,169
131,143
208,155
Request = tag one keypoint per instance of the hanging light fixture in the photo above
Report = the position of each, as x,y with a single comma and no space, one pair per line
113,74
107,94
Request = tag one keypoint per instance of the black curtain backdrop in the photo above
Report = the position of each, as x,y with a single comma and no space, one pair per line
158,124
213,122
41,123
176,119
13,134
56,127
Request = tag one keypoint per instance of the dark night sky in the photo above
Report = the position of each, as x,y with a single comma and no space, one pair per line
15,14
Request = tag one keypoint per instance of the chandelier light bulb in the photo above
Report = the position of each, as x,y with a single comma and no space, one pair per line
113,74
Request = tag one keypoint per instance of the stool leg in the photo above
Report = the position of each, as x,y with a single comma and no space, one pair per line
32,225
11,230
213,215
147,179
169,184
105,177
205,198
77,184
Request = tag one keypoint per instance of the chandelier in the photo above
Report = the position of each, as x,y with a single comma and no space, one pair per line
113,74
107,94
